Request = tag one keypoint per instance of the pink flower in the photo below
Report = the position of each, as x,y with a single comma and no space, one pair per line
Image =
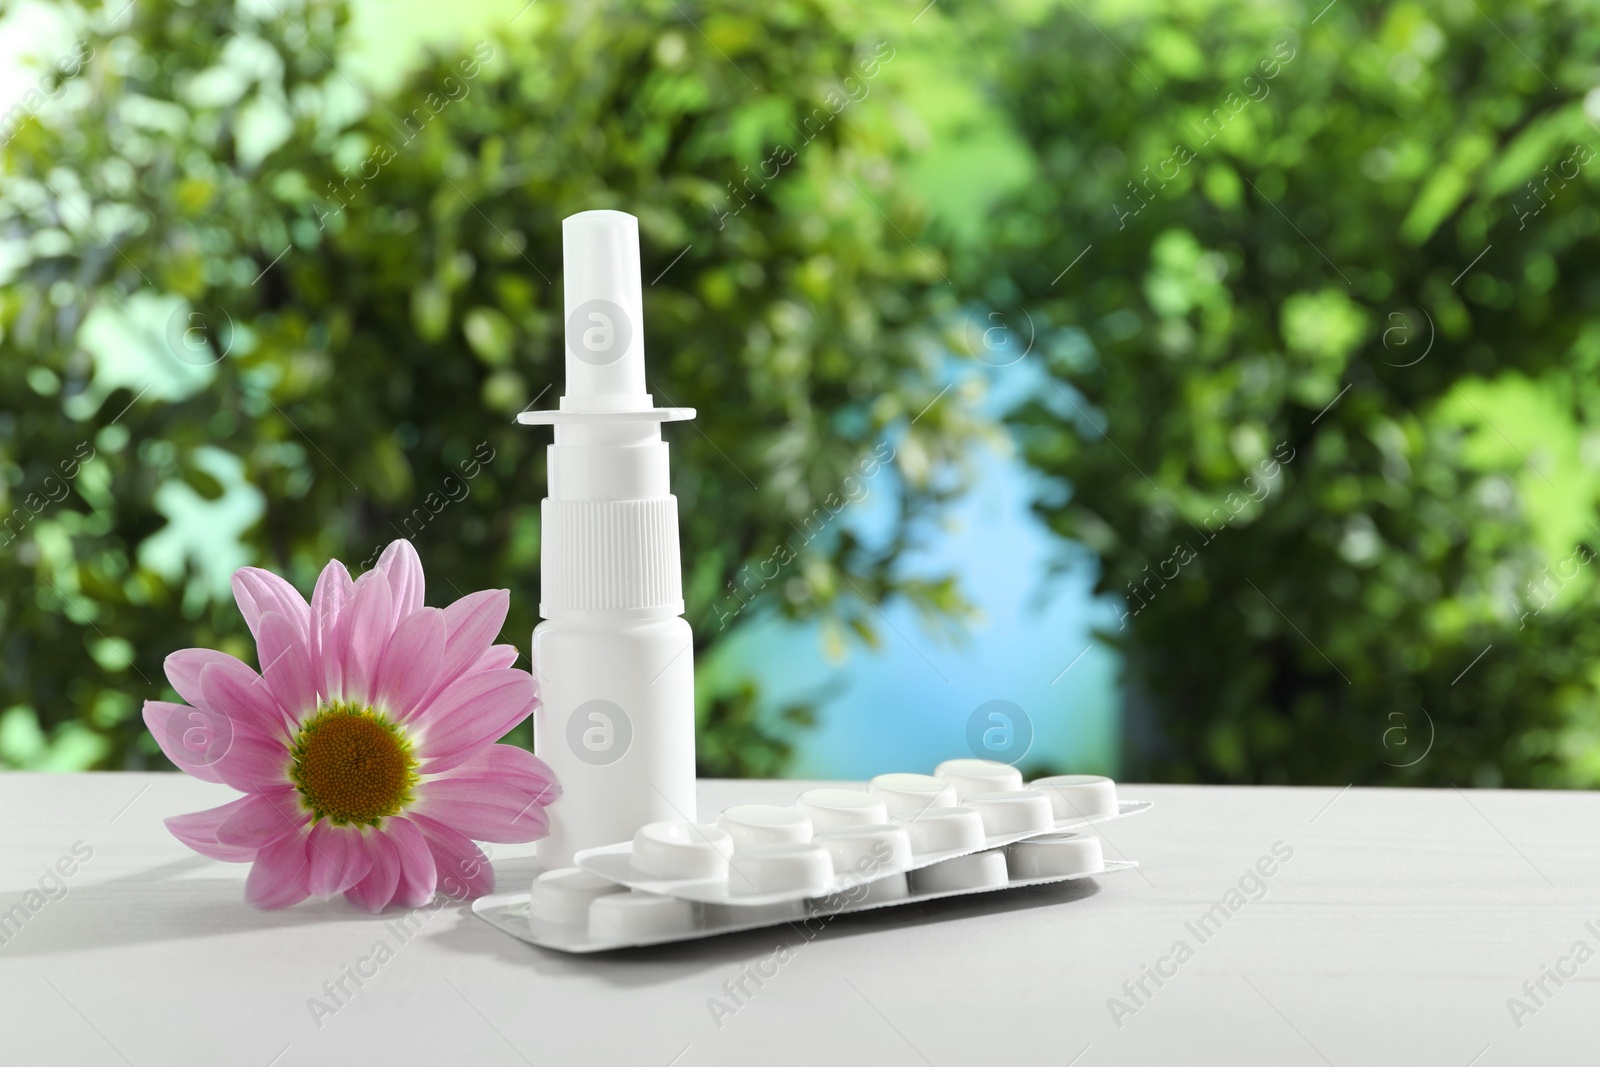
365,747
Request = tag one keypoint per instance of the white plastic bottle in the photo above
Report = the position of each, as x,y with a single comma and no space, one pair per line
614,658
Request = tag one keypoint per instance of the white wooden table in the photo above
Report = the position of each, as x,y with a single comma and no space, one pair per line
1397,932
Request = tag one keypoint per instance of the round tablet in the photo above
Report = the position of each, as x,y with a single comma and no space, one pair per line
781,869
754,825
973,777
1054,855
1021,811
834,809
564,895
635,914
911,794
943,829
979,870
682,850
1077,796
866,851
894,887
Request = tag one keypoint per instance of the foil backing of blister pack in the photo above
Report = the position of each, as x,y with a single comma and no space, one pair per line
508,912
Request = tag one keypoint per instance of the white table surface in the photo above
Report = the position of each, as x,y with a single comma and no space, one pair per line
1396,934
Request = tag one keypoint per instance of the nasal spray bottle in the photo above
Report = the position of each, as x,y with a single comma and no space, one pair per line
614,658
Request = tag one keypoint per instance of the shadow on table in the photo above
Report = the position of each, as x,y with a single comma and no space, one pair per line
169,903
162,904
151,906
663,963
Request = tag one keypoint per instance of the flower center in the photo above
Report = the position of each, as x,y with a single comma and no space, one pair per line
353,765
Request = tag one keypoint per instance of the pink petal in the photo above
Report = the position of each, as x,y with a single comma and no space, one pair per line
258,592
234,690
496,658
370,630
470,625
483,810
198,830
512,768
278,878
339,859
184,666
254,764
330,627
264,818
189,665
286,667
374,892
476,710
418,873
409,666
192,738
400,565
464,870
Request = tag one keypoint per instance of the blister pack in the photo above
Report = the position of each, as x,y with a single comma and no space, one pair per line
574,911
832,839
970,827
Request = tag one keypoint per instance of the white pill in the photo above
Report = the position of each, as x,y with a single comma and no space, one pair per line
834,809
1019,812
682,850
894,887
943,829
1053,855
781,869
564,895
1075,796
979,870
973,777
764,914
636,914
754,825
910,794
867,851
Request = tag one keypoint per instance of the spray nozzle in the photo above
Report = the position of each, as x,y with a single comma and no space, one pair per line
605,338
604,323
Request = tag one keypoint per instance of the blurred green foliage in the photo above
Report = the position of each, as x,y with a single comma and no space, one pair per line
1324,396
270,319
1311,377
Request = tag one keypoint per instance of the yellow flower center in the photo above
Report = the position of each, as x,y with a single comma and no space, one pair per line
352,765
